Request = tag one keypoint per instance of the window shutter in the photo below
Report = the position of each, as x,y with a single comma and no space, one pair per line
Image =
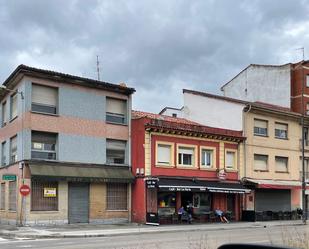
164,153
116,106
183,150
44,95
281,126
4,113
14,143
260,123
230,159
281,164
260,162
14,106
115,145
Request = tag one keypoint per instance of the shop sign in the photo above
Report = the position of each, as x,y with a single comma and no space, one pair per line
9,177
24,190
50,192
151,183
222,174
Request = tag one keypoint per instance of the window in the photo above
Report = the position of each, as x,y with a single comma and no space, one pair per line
12,196
164,154
3,154
44,99
307,109
186,156
4,114
260,162
230,159
260,127
13,110
44,195
43,145
307,80
281,131
207,158
166,199
2,196
115,151
117,196
281,163
116,110
13,149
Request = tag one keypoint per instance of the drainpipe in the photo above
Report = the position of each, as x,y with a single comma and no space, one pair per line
245,141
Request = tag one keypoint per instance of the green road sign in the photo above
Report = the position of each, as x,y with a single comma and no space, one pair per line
9,177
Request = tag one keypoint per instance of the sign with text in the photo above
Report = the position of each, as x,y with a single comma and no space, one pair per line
151,183
24,190
9,177
222,174
50,192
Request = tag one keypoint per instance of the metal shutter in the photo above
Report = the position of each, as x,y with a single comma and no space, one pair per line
78,202
273,200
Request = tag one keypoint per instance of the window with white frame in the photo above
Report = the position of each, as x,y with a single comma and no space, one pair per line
13,109
281,130
44,99
116,110
260,127
281,163
260,162
13,149
230,159
307,109
4,114
307,80
115,151
207,158
164,154
3,154
43,145
186,156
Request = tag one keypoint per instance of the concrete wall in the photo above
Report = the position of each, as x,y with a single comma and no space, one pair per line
269,84
83,149
212,111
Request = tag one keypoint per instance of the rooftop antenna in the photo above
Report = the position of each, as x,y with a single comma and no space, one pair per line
303,50
98,67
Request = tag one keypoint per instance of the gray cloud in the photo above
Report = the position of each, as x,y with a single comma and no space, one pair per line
158,47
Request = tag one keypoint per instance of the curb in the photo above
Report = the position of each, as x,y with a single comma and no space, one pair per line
144,231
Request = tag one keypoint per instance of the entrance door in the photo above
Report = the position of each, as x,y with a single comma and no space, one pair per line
78,202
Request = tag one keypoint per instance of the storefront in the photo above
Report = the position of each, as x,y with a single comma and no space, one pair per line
68,193
164,196
273,199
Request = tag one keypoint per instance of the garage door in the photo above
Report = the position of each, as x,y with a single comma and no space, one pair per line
78,202
273,200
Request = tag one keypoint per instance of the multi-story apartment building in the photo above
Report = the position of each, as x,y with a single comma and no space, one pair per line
177,162
284,85
68,139
272,149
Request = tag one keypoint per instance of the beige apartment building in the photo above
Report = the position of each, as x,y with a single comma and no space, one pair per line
272,158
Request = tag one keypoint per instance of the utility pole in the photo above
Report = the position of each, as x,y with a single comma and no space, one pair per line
98,67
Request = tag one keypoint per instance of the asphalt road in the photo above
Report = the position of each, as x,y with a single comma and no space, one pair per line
174,240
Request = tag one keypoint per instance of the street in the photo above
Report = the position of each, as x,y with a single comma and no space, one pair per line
170,240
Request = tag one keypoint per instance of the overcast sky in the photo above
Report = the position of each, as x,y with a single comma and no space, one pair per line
158,47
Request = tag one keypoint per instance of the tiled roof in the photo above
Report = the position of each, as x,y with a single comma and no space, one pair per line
184,125
68,78
140,114
271,106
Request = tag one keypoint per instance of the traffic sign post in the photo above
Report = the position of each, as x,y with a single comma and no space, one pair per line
24,190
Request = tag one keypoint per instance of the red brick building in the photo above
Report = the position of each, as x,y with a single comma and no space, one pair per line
177,162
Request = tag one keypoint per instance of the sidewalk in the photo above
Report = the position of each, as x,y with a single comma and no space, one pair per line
89,230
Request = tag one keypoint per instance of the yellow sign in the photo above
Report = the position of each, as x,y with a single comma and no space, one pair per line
50,192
